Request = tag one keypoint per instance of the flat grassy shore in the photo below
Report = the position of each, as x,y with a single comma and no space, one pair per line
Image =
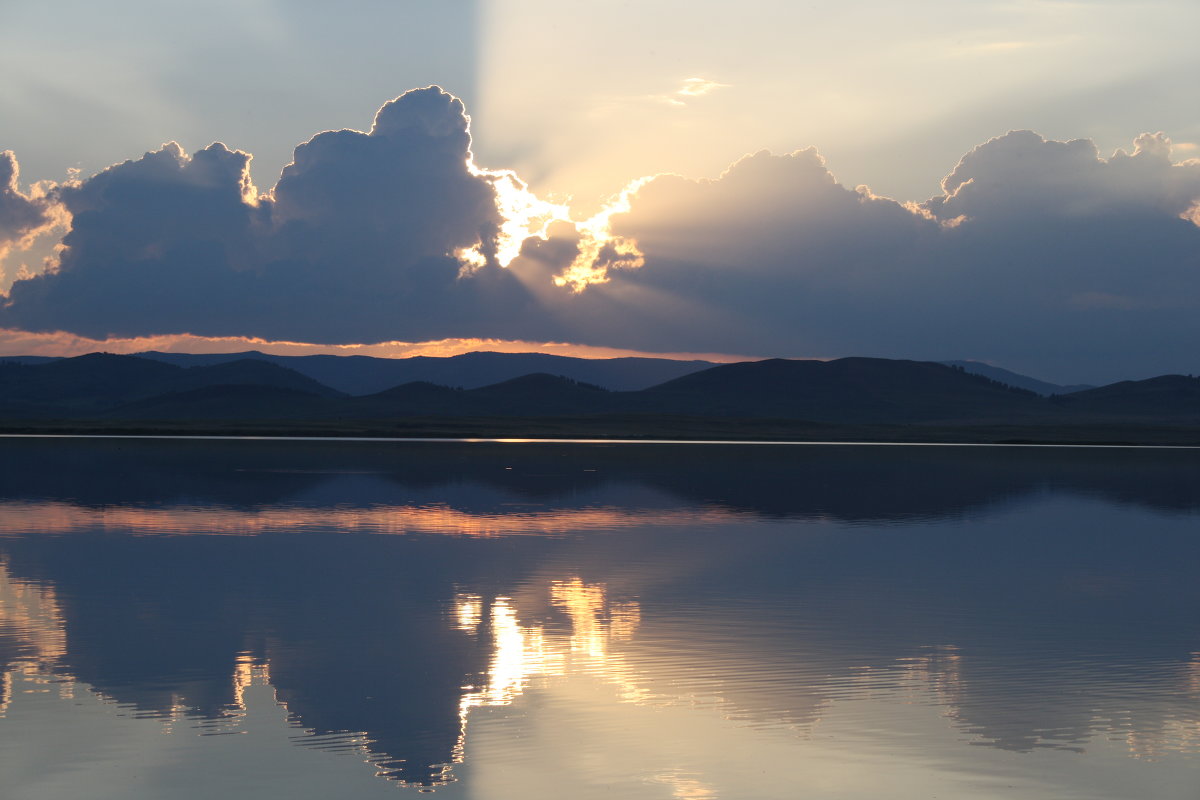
628,427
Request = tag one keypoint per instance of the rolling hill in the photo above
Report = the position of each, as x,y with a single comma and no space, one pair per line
364,375
845,390
1169,397
99,384
1044,388
849,391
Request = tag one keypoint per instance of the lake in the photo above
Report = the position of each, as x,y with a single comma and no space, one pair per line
300,619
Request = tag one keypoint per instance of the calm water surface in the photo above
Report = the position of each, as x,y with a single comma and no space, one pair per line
336,619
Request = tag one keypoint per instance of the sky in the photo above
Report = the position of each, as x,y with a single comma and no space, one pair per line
1013,182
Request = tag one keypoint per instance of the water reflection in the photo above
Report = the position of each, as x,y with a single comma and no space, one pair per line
1046,608
62,518
32,635
847,483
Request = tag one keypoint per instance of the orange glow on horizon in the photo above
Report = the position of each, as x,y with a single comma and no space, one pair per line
61,343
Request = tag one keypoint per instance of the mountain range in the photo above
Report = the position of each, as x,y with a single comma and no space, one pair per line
848,391
1044,388
358,375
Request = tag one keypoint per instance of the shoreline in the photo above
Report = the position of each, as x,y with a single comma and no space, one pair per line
627,430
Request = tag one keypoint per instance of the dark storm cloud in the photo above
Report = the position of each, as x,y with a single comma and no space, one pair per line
356,242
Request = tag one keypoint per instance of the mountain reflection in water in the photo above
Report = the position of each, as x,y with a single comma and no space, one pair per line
390,595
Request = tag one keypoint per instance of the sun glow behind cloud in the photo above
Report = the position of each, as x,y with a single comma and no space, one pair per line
598,249
526,216
397,242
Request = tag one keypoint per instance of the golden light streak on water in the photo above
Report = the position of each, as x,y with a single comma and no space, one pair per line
686,787
468,612
523,653
66,518
246,673
939,670
1174,734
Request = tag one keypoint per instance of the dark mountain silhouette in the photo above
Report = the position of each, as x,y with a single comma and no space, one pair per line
28,359
1044,388
547,394
529,395
849,390
82,384
1175,397
226,402
102,383
418,398
249,372
363,375
846,392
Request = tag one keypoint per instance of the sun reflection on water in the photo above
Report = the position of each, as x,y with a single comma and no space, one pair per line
686,787
522,653
568,628
246,673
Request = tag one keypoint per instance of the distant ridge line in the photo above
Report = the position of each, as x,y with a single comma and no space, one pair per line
848,391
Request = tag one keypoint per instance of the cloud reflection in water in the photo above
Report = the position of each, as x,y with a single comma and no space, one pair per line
697,639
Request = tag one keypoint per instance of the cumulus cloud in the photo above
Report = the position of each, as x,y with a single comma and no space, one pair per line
1040,255
1022,175
22,216
356,242
405,187
153,243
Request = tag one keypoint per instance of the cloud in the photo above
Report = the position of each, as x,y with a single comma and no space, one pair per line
689,89
22,216
1038,254
698,87
1021,175
356,242
405,187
